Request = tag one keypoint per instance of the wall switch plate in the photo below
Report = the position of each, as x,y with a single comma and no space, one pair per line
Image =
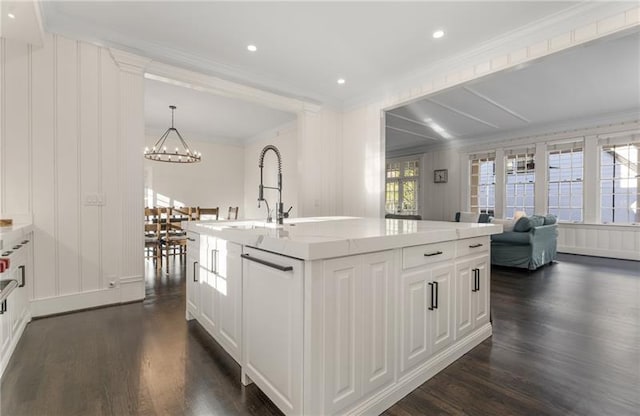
94,199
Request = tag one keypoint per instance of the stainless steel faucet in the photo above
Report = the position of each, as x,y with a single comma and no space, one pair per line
279,207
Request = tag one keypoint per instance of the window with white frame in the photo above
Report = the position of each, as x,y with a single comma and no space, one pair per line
564,182
483,184
519,183
619,183
402,186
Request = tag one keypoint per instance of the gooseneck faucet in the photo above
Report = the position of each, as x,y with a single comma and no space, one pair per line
261,188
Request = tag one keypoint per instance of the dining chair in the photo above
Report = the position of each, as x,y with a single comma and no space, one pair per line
208,212
174,238
152,235
233,213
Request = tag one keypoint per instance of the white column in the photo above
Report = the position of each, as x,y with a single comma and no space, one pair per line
500,174
541,194
590,181
131,139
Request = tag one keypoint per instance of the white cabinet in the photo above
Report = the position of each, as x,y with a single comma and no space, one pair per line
15,312
229,295
426,308
214,289
208,291
193,276
272,326
472,294
358,305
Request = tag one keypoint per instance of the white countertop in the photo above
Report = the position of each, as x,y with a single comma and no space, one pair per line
326,237
13,233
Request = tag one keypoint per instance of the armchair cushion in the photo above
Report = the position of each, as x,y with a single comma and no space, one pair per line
550,219
536,220
523,225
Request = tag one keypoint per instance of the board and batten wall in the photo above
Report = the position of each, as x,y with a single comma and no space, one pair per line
285,138
216,181
72,129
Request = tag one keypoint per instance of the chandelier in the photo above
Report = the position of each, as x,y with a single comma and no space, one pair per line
160,153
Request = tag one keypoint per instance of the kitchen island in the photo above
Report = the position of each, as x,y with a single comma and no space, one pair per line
340,315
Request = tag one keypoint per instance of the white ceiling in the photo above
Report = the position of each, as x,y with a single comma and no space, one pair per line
303,47
204,116
579,86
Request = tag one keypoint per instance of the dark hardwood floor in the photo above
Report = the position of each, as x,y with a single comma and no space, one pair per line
566,341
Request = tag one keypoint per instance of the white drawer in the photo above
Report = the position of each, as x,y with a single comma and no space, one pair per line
427,254
472,245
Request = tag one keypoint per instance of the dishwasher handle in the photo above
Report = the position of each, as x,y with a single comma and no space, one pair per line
267,263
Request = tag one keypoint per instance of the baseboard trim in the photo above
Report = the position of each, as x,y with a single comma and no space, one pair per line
387,397
598,252
130,289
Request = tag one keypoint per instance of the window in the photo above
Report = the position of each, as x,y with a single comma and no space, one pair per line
483,185
401,196
619,182
565,183
519,183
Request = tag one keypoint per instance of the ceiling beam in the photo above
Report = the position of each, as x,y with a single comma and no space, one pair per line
412,132
420,123
462,113
496,104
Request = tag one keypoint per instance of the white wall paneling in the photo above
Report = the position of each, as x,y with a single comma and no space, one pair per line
72,125
617,241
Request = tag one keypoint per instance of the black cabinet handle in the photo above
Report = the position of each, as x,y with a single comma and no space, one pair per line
435,253
191,239
431,307
23,273
267,263
194,271
435,284
475,281
475,245
3,307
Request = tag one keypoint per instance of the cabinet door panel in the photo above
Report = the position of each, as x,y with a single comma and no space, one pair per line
229,292
441,323
208,304
481,297
414,338
377,295
193,288
464,287
272,318
342,293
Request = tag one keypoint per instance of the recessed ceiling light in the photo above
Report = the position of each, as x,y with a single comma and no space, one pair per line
11,15
341,81
252,48
438,34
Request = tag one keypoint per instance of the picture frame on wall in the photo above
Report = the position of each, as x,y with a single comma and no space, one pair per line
440,176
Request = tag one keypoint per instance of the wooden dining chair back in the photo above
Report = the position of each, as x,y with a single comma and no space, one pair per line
233,213
174,238
208,213
153,235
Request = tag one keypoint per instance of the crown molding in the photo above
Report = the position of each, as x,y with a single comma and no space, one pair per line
431,78
129,62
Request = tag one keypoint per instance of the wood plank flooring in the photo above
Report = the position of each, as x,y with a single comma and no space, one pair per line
566,341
